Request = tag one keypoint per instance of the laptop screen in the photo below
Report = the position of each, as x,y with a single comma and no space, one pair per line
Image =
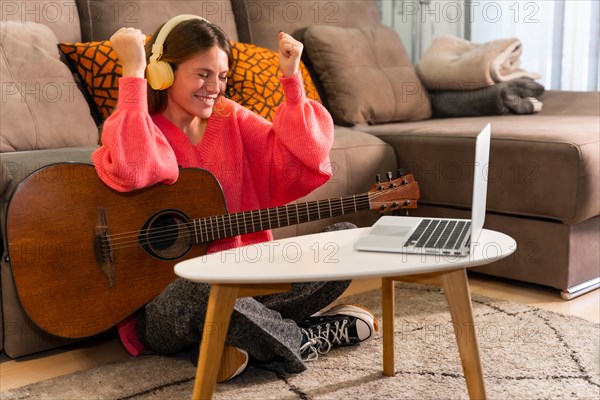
480,181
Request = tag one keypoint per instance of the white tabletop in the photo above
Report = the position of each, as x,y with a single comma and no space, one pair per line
330,256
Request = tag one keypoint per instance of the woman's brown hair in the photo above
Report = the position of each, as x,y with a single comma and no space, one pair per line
187,38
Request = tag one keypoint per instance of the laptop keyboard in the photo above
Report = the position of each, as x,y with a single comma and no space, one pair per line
439,234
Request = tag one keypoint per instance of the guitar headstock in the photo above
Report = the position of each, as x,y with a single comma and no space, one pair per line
395,194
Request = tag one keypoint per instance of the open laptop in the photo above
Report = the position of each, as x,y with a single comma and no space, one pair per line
442,236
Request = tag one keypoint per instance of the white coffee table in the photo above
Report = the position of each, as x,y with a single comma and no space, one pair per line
271,267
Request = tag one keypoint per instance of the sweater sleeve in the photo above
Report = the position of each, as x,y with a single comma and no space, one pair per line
134,152
294,150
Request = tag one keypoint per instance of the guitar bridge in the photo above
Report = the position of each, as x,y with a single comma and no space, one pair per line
103,247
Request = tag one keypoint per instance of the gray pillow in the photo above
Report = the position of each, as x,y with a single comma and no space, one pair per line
366,75
42,107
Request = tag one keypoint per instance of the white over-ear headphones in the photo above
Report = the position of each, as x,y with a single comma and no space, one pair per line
159,73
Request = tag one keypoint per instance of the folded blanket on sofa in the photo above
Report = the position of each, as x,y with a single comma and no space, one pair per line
519,96
454,63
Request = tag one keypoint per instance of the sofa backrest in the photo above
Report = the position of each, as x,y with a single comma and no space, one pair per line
101,18
250,21
87,20
266,17
62,17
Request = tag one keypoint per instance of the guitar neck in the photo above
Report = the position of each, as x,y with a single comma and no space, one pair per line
228,225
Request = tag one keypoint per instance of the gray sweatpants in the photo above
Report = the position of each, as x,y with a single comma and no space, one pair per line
265,326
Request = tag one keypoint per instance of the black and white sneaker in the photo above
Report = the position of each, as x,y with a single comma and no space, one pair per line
341,325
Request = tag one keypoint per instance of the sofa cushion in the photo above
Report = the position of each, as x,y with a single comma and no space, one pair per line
60,16
16,166
254,79
356,158
42,107
266,17
5,177
101,18
366,75
98,69
541,165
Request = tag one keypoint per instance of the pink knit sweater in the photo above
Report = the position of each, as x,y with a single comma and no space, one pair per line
258,164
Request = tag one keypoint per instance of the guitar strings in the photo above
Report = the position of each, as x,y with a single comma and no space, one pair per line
131,238
215,229
188,229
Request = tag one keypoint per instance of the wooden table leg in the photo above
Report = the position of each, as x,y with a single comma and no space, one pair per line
218,314
387,307
458,295
220,305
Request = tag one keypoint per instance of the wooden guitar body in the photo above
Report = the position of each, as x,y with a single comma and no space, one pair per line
52,222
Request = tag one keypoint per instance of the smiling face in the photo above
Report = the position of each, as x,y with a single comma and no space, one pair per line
199,82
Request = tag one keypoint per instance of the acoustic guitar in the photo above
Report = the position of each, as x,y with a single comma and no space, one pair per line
84,257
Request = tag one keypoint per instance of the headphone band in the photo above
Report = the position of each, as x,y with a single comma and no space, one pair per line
157,47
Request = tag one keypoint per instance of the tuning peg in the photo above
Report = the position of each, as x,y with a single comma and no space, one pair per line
400,172
389,177
378,180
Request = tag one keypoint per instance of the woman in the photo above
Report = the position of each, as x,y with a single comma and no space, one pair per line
187,122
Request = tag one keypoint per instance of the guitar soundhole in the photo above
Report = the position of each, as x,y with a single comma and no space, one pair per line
166,235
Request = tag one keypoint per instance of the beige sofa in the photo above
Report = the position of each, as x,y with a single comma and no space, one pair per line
543,190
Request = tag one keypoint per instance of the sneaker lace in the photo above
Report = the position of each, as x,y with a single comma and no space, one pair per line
308,351
340,333
322,341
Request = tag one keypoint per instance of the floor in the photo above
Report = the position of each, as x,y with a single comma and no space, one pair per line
15,373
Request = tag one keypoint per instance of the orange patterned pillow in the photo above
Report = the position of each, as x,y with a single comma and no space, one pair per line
254,82
99,70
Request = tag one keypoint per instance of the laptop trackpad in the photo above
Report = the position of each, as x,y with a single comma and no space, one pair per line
397,231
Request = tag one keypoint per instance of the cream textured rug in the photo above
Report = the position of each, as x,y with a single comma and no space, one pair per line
527,353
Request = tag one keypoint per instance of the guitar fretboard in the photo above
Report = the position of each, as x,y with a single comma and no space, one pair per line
228,225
